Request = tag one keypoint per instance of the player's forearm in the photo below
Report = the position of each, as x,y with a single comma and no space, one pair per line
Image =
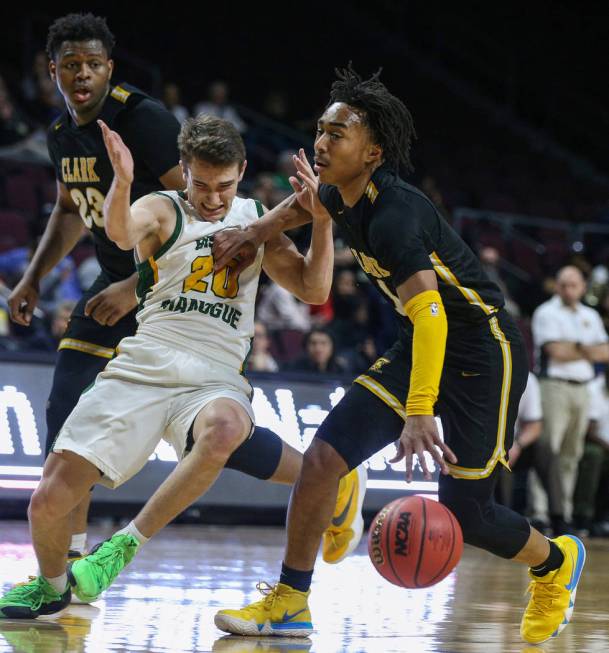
426,311
318,264
285,216
117,215
60,236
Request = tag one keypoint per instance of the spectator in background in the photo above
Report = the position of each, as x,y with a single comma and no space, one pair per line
276,106
260,359
527,453
279,309
172,98
264,190
48,332
569,339
430,187
61,283
286,319
490,259
345,294
44,102
217,105
14,126
285,170
361,357
591,499
319,356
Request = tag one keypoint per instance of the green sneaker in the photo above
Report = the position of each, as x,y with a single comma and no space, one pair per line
30,600
93,574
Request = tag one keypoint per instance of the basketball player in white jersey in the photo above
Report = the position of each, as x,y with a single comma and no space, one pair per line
179,378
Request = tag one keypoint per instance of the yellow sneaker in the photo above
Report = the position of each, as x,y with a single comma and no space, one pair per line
347,525
553,595
282,611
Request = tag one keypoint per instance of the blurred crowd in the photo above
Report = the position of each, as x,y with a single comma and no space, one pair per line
560,456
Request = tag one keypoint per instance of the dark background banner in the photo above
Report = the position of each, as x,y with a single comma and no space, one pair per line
292,406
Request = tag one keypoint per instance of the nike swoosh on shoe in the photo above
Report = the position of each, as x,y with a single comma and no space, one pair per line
338,521
288,617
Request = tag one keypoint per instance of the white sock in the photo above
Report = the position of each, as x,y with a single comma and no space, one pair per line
79,542
131,529
59,583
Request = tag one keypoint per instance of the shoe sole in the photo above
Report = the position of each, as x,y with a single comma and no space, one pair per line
237,626
581,561
358,524
78,601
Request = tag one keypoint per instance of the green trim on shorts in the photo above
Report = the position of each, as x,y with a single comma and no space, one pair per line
246,360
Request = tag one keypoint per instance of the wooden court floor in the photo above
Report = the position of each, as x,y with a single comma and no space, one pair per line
166,600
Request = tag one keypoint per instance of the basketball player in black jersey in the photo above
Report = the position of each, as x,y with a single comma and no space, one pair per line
80,48
459,354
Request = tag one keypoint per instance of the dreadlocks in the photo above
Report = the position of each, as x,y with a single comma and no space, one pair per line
79,27
385,115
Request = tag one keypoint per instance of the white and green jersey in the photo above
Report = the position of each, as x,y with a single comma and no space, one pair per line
184,303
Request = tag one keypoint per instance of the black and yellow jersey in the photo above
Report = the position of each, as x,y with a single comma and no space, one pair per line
81,162
394,231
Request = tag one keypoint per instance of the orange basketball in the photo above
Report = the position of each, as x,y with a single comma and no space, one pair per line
415,542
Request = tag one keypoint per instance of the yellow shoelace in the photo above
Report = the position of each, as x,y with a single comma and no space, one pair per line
25,582
543,596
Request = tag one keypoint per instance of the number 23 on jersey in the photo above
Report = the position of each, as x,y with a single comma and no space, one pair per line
90,205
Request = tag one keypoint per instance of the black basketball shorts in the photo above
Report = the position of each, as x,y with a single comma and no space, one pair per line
485,373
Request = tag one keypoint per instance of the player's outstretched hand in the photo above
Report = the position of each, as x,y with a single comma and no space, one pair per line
119,154
22,301
306,186
420,434
112,303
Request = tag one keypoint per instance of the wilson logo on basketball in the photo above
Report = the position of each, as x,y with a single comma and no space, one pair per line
376,550
402,528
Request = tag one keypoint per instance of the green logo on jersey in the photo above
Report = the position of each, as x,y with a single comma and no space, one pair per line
206,241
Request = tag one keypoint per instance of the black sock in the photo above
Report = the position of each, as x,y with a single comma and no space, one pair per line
553,561
299,580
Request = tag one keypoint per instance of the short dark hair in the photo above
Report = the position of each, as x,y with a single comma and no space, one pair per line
211,139
385,115
322,331
79,27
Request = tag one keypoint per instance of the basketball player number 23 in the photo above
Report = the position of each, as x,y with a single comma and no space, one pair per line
225,283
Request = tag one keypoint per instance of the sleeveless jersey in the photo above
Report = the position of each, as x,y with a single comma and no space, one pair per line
187,305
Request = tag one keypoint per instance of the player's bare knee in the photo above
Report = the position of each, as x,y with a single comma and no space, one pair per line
221,436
